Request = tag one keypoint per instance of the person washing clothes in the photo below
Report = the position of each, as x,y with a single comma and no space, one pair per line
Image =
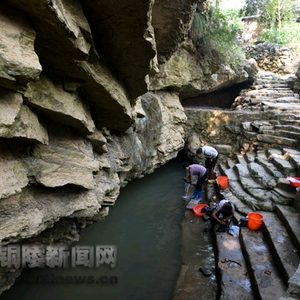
198,172
211,155
222,214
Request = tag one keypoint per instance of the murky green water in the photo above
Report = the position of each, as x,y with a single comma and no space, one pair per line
144,225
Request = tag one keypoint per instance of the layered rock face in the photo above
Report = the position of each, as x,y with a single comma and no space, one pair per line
90,99
77,121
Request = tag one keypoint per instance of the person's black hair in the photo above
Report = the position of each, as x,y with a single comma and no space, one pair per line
227,207
199,151
185,164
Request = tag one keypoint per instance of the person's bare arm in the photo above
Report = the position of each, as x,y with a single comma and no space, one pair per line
214,215
228,218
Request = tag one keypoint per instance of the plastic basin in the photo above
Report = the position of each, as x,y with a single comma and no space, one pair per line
294,181
197,209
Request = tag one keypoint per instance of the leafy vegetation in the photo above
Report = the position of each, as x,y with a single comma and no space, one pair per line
217,33
278,18
215,36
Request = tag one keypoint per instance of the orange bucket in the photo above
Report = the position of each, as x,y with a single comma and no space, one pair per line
254,221
223,182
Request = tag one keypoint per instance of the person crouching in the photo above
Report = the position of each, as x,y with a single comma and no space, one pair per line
222,214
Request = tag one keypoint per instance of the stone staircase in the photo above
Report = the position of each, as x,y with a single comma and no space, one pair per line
271,94
264,264
261,264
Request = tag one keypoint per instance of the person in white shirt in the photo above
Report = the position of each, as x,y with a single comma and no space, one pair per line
223,214
211,155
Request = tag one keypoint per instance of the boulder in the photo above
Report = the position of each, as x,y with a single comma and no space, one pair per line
19,64
26,126
50,99
61,164
188,76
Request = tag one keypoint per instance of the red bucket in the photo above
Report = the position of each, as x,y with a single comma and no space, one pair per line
223,182
254,221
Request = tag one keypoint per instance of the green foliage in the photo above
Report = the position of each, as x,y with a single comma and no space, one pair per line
199,26
287,36
215,35
272,12
254,7
278,17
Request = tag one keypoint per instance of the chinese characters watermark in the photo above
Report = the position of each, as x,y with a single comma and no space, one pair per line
61,256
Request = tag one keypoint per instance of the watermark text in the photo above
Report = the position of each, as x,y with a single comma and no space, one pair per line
68,280
57,256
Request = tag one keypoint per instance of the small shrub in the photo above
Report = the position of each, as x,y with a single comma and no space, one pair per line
216,36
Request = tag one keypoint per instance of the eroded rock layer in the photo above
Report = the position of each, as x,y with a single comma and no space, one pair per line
89,100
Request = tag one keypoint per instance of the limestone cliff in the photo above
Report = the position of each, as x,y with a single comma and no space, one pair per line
90,99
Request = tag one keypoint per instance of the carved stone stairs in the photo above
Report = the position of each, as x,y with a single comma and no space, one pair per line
271,94
261,264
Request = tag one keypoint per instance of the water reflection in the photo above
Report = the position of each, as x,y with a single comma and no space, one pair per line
144,225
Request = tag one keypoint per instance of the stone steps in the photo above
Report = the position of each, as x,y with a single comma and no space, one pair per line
273,96
258,173
249,157
291,221
272,105
282,133
262,159
275,85
284,184
234,279
257,182
266,281
291,128
262,264
275,140
282,247
259,179
241,159
292,99
271,253
237,190
259,264
283,165
294,157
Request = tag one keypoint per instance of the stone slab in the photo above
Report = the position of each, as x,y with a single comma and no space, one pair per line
282,247
265,277
289,216
191,204
235,282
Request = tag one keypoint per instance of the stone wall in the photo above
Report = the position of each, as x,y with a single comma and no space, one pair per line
297,80
226,130
272,57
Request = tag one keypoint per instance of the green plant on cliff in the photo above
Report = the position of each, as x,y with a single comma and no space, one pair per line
215,35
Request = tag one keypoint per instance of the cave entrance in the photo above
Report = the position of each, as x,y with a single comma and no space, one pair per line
220,99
